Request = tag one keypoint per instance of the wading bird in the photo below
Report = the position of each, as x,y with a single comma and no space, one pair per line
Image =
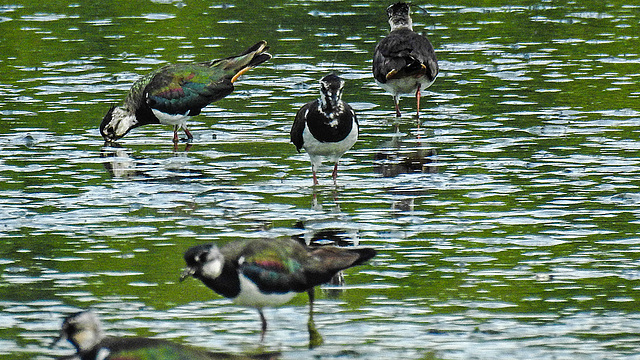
174,93
404,62
325,127
268,272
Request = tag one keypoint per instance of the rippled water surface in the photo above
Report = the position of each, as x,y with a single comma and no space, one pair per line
506,224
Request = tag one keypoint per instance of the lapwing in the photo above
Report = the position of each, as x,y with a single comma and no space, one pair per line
84,331
176,92
263,273
326,127
404,62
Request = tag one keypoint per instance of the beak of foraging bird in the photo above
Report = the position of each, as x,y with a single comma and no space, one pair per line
117,123
187,272
57,340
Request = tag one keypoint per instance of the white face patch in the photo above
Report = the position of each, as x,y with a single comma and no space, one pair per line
86,339
212,269
102,354
213,266
121,121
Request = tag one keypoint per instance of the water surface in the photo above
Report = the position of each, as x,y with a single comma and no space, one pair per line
506,224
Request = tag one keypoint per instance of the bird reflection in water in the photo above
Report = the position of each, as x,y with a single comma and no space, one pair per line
119,162
403,155
330,231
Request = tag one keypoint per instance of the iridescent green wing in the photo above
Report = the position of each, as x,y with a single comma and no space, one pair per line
275,265
186,88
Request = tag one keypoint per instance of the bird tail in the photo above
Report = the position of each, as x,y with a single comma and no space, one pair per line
258,52
239,64
335,259
412,67
364,255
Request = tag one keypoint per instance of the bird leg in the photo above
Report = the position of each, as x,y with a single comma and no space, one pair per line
175,134
334,174
188,133
418,105
264,325
315,178
312,295
396,101
315,339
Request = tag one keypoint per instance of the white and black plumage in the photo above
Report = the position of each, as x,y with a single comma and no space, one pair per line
326,127
268,272
404,62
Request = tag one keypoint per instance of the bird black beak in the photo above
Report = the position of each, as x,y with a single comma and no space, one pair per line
57,340
188,271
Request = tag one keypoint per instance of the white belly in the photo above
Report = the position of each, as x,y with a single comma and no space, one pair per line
167,119
331,150
407,85
251,296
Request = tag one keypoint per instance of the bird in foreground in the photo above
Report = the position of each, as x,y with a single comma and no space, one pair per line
404,62
84,331
268,272
325,127
176,92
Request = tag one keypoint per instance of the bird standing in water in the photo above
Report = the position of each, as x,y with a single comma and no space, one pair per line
325,127
404,62
174,93
268,272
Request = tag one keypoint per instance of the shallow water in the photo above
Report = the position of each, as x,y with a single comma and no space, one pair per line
506,224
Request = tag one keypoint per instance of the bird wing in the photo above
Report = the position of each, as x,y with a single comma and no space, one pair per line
403,53
298,125
283,265
274,265
186,88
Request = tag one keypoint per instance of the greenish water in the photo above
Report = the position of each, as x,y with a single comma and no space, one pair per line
512,235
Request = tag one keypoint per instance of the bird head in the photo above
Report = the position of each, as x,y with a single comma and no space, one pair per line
203,261
117,123
82,329
331,91
399,16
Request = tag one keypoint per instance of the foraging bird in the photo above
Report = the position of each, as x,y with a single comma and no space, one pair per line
325,127
84,331
404,62
268,272
176,92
